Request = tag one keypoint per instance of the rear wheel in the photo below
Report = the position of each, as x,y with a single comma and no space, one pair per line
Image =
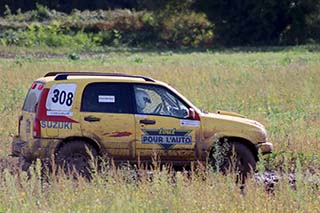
234,157
23,164
77,158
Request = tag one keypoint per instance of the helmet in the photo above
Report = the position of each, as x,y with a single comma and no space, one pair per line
142,98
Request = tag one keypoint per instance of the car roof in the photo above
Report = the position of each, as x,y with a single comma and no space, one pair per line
112,77
56,76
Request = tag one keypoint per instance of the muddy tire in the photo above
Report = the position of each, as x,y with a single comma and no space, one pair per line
233,157
76,158
23,164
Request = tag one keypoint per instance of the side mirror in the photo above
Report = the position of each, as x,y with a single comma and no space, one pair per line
192,114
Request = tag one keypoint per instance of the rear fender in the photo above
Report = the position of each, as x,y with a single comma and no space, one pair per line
90,141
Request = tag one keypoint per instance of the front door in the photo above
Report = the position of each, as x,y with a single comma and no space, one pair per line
163,126
107,116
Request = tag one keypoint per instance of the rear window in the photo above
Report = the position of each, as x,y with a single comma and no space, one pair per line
33,96
107,97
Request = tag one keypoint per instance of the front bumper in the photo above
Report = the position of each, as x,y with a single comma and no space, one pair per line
265,147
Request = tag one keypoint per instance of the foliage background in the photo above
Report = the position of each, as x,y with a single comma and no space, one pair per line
232,22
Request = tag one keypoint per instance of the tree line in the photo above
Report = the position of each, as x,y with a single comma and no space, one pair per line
246,22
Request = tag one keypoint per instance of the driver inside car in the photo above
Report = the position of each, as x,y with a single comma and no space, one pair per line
142,98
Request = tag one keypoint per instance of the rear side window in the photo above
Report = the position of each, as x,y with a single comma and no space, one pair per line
107,97
33,96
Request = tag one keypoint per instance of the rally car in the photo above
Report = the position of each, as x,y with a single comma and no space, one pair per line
72,118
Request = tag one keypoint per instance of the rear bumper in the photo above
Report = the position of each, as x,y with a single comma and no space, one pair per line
31,150
265,147
16,146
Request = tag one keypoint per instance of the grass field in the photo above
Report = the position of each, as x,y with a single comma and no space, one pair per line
279,89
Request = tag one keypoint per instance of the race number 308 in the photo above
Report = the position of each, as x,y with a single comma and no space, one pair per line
60,97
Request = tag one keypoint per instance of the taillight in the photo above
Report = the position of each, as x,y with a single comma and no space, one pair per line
36,128
40,87
40,110
19,123
34,85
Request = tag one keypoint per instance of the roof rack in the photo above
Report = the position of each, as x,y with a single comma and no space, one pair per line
53,74
64,75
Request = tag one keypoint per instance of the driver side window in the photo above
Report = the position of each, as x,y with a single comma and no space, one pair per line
156,100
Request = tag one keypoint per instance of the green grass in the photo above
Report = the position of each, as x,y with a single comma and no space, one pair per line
279,89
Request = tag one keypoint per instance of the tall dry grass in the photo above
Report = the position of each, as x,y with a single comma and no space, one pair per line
279,89
120,191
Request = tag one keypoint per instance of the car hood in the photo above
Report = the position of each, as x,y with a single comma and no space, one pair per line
221,112
232,125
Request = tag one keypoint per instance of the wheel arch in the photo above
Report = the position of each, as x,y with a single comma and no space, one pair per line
90,141
243,141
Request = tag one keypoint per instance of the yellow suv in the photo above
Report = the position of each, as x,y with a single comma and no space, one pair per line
73,117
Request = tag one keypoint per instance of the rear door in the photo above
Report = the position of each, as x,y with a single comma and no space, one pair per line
163,125
27,117
107,116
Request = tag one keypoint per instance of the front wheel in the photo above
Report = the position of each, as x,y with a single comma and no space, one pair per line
233,156
76,157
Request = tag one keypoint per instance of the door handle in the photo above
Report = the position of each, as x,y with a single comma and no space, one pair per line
91,119
148,122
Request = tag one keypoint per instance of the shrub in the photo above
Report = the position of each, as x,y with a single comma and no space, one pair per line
41,13
10,37
186,29
51,36
107,28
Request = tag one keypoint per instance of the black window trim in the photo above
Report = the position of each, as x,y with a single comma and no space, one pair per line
131,92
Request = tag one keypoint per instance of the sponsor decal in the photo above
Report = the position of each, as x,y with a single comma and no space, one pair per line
106,99
43,111
190,123
59,113
140,116
166,137
120,134
56,124
28,126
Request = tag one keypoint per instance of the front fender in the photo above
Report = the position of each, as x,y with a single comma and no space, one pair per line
209,142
